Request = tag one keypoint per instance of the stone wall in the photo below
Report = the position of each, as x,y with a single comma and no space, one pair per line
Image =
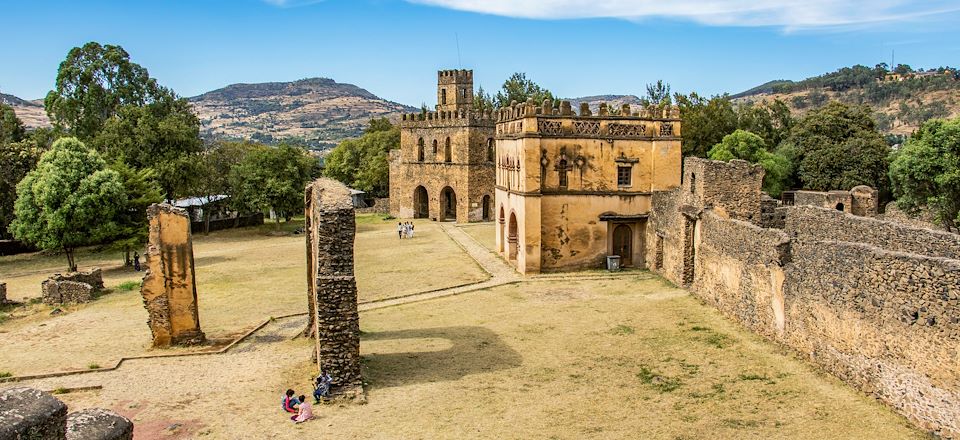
331,228
873,302
169,283
27,414
380,206
93,277
65,292
810,223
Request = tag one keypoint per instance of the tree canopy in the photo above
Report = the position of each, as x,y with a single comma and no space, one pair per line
273,177
747,146
93,82
363,163
11,128
519,88
69,200
925,172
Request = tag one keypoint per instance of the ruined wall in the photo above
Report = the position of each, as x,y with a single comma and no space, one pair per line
93,277
810,223
169,284
65,292
27,413
731,188
333,290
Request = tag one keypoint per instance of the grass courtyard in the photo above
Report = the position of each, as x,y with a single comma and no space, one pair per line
624,357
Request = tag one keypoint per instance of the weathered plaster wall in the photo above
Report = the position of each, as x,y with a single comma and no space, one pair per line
169,284
333,290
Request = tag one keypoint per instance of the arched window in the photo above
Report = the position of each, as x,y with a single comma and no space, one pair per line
693,182
434,148
447,154
420,150
443,96
490,150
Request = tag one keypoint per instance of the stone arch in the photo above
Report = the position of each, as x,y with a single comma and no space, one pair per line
448,204
513,242
486,207
421,203
447,151
839,207
490,150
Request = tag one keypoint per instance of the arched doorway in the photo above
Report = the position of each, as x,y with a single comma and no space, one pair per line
421,203
512,239
623,244
448,204
486,208
839,207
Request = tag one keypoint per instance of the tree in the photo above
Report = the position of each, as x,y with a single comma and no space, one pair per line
658,94
705,122
213,169
838,147
11,128
363,163
274,178
93,82
482,100
142,190
925,172
518,88
69,200
747,146
163,135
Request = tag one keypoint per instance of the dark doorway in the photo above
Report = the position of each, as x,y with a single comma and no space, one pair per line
512,239
421,203
839,206
448,204
623,244
689,251
486,208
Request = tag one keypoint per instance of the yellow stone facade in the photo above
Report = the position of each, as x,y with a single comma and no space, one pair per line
573,188
444,167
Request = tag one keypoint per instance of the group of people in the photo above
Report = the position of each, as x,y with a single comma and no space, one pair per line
301,409
405,230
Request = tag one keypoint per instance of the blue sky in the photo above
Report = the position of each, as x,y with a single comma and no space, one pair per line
394,47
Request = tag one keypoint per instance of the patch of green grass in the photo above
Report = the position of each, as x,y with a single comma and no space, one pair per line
752,376
718,340
698,328
128,285
621,330
4,374
657,381
4,317
94,366
739,423
60,390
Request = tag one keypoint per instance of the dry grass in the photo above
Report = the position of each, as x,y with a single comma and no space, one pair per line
583,359
243,276
484,233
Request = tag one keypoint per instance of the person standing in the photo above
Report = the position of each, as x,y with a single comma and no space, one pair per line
411,229
400,229
136,261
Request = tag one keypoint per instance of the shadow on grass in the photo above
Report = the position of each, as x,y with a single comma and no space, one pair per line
474,350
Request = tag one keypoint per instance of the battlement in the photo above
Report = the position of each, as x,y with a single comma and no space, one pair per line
486,117
563,121
454,76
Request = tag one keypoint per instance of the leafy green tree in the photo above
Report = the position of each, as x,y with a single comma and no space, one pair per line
163,135
747,146
705,122
838,147
213,169
363,163
142,190
379,124
925,172
16,160
71,199
274,178
519,88
658,94
11,128
482,100
93,82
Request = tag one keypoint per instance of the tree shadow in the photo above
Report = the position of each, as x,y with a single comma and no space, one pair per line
473,350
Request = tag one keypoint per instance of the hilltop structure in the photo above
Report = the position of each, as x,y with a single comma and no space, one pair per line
444,167
572,189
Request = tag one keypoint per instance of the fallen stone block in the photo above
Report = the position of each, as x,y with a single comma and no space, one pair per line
98,424
26,413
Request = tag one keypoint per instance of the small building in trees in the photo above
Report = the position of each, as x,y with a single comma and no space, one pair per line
444,168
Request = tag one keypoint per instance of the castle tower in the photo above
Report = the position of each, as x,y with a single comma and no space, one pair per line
454,90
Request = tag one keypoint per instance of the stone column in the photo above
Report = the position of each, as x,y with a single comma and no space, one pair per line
169,285
333,289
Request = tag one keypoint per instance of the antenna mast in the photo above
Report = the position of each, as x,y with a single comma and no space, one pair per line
457,38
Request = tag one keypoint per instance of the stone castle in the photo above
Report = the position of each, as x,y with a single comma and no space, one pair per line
571,189
444,168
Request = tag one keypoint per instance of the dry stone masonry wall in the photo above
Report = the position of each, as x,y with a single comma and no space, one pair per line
27,413
169,285
72,288
331,227
875,303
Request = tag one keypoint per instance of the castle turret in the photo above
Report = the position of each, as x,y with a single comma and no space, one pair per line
454,90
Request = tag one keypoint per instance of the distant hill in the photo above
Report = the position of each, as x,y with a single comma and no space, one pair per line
902,101
317,111
611,100
31,113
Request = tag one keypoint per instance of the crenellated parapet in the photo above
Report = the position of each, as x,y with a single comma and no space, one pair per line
624,122
454,76
448,118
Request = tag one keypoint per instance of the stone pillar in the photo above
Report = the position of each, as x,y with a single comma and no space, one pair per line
331,228
3,293
169,285
26,413
98,424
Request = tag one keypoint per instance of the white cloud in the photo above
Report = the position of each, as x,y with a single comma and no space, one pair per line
789,14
